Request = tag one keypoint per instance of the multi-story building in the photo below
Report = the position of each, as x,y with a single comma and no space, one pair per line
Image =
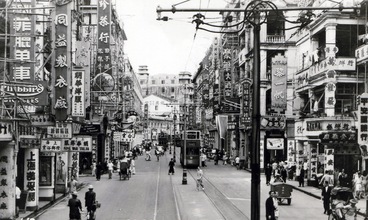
309,82
69,80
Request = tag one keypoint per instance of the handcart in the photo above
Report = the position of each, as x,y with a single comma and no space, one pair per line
283,191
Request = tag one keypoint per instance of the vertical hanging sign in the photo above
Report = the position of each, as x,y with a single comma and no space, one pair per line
78,93
62,60
279,83
24,82
103,80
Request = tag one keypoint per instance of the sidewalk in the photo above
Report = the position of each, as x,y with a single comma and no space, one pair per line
316,192
44,205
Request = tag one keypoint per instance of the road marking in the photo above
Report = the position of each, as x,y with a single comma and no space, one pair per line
157,185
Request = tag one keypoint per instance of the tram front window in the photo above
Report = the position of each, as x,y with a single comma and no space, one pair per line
192,151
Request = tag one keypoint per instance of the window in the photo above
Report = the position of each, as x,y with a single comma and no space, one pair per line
173,81
153,82
163,90
156,107
45,171
163,82
172,90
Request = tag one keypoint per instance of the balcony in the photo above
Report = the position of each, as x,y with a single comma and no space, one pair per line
275,39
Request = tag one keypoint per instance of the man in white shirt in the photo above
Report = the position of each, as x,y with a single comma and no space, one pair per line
110,167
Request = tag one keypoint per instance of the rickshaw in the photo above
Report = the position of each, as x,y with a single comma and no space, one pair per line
340,197
124,172
283,191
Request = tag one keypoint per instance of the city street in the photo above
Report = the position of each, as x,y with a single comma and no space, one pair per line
152,194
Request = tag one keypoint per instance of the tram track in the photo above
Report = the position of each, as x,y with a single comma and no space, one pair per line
224,206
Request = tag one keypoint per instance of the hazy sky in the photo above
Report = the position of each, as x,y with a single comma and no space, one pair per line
165,47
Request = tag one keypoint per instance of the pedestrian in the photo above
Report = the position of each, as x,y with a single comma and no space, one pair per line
90,199
327,177
93,166
283,173
200,178
301,178
224,159
17,200
75,207
268,173
216,158
326,194
171,166
110,168
237,162
271,206
343,178
358,185
364,183
132,166
72,185
203,160
157,153
98,171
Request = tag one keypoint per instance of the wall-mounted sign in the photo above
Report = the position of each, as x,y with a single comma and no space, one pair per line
60,130
343,64
78,144
338,137
51,145
361,53
275,143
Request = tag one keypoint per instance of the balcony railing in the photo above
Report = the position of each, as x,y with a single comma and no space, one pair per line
275,39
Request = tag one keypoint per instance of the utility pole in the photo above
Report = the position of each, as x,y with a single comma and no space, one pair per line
184,182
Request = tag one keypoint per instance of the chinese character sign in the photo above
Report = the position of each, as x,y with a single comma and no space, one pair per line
7,184
103,60
78,94
278,87
62,61
32,84
31,176
363,119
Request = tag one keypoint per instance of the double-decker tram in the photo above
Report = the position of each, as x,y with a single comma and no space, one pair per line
192,147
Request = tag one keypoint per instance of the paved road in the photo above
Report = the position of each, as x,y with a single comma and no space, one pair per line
153,194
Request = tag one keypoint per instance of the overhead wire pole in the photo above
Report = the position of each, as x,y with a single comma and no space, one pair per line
253,15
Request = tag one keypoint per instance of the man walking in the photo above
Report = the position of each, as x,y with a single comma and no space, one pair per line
326,194
90,198
171,166
268,173
75,206
110,168
271,206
